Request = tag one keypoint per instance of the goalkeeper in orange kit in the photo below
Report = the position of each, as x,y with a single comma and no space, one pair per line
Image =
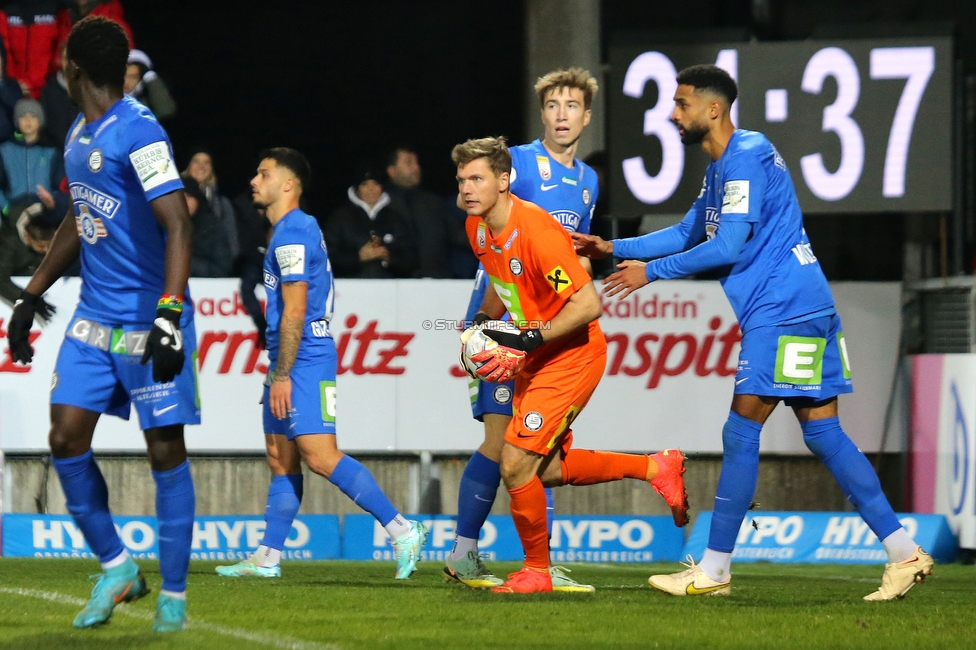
557,359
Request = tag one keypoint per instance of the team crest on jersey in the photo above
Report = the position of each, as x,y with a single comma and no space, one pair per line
586,196
545,170
502,394
95,160
533,420
558,279
89,228
515,264
482,235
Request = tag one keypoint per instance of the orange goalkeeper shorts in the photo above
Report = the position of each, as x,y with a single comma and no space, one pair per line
546,403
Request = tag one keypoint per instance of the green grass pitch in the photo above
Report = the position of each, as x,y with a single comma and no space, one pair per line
347,605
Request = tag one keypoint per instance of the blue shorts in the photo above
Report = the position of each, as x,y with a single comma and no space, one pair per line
490,398
99,369
807,359
313,394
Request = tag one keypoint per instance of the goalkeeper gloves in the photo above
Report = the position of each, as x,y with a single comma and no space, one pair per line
165,343
505,360
18,330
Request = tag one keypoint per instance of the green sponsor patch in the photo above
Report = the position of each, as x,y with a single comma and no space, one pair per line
118,342
508,293
844,361
327,395
799,360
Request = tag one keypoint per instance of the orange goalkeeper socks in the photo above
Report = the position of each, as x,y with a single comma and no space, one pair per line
586,467
529,514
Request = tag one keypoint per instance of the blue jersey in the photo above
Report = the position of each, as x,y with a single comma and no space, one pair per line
115,167
568,194
297,253
776,279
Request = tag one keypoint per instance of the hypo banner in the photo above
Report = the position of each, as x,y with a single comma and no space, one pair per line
672,352
312,537
821,537
574,539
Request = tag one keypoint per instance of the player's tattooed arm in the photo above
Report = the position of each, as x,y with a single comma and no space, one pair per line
172,214
295,296
64,251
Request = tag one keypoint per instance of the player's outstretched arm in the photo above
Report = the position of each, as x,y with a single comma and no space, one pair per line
294,295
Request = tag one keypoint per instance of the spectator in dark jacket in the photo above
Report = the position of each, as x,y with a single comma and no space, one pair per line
33,30
252,229
437,232
146,87
27,162
10,94
367,237
201,168
211,252
59,111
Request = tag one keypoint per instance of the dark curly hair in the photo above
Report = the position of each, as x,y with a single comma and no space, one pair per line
100,47
710,77
291,160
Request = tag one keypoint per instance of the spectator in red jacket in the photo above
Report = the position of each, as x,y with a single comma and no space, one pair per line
78,9
33,30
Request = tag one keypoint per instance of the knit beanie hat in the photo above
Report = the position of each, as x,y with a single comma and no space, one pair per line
28,106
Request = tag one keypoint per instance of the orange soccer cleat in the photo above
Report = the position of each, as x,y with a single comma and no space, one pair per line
526,581
670,484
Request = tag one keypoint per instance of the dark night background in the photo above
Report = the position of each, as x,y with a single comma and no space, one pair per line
345,81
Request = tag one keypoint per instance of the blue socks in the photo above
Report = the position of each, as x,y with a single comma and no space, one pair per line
87,499
737,482
852,471
479,484
550,510
358,484
175,506
284,499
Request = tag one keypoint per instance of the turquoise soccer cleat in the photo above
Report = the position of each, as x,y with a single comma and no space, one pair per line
120,584
407,549
248,569
170,614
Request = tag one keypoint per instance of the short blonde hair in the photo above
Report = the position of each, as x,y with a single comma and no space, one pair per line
494,149
572,78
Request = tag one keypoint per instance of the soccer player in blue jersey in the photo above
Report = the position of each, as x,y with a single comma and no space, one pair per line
747,225
300,392
545,172
130,226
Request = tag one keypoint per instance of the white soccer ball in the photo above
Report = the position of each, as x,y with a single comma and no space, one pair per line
476,341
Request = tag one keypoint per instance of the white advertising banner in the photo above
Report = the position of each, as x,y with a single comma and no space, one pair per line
673,348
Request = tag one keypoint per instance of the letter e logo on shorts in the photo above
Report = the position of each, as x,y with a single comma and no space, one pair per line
533,420
799,360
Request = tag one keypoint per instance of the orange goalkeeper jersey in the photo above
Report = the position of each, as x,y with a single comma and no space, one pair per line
533,268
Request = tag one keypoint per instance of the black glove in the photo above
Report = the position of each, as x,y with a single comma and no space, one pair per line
479,319
18,329
262,327
45,310
165,346
526,340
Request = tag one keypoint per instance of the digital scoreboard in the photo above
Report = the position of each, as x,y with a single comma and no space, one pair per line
864,125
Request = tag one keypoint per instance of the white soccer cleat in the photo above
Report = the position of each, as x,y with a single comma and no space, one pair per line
691,582
900,577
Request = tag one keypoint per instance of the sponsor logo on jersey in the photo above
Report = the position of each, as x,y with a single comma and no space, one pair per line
558,279
586,196
712,221
54,381
546,188
291,259
154,165
533,420
482,236
84,139
94,200
95,160
502,394
511,238
778,160
735,199
515,264
105,126
569,181
77,130
567,219
89,228
545,170
270,280
496,249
